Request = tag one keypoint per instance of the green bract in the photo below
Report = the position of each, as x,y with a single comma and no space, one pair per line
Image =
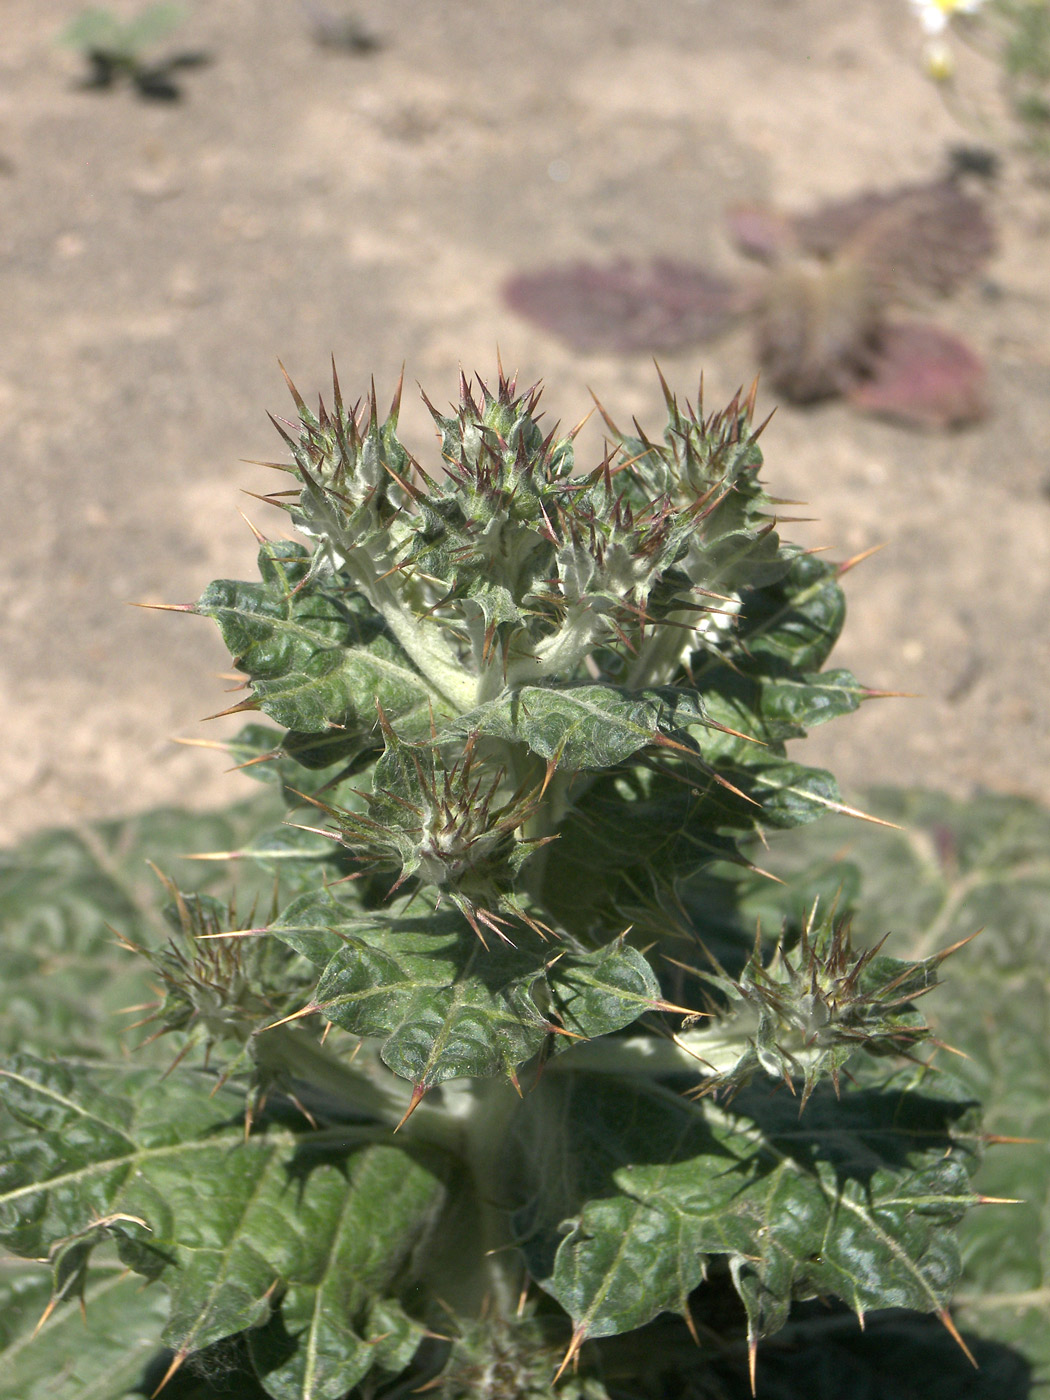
532,719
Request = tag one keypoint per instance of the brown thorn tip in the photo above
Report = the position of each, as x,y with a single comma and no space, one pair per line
852,563
418,1092
953,1332
52,1305
573,1350
660,1005
687,1318
251,704
167,607
176,1363
259,536
954,948
295,1016
752,1362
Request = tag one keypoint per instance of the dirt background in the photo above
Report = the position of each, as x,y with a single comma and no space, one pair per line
155,260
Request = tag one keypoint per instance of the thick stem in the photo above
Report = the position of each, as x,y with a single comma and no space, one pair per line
296,1054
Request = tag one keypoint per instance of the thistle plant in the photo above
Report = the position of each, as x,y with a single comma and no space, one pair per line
520,1048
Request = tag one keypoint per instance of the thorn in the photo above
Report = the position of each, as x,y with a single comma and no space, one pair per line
994,1139
687,1318
752,1361
552,1029
252,704
233,933
295,1016
259,536
947,952
212,855
167,607
270,757
176,1363
953,1332
395,406
763,425
579,1336
299,403
998,1201
418,1091
52,1305
847,811
852,563
670,1006
277,466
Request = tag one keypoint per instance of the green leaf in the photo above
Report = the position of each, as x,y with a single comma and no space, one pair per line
774,710
67,1361
788,794
795,622
326,1220
585,726
446,1006
632,1188
956,868
631,834
315,657
64,895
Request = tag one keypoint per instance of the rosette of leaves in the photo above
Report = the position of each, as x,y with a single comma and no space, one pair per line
528,721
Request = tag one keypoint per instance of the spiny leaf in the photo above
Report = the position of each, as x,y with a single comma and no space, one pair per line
855,1200
314,657
231,1224
445,1006
586,726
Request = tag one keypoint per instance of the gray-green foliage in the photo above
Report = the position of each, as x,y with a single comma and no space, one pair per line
533,720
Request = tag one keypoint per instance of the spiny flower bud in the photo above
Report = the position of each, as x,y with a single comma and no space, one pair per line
454,828
805,1013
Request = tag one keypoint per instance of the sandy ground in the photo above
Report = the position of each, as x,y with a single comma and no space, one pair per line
155,260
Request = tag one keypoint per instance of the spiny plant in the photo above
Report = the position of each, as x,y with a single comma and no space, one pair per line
502,1070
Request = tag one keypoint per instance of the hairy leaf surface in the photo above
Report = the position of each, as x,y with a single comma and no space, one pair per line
633,1188
315,657
232,1226
446,1006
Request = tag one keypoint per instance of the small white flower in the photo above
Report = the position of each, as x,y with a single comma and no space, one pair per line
716,623
935,15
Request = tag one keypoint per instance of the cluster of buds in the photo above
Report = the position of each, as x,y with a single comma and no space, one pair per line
803,1014
210,979
522,569
452,828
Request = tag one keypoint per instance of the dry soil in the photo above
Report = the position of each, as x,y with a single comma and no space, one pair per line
156,259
